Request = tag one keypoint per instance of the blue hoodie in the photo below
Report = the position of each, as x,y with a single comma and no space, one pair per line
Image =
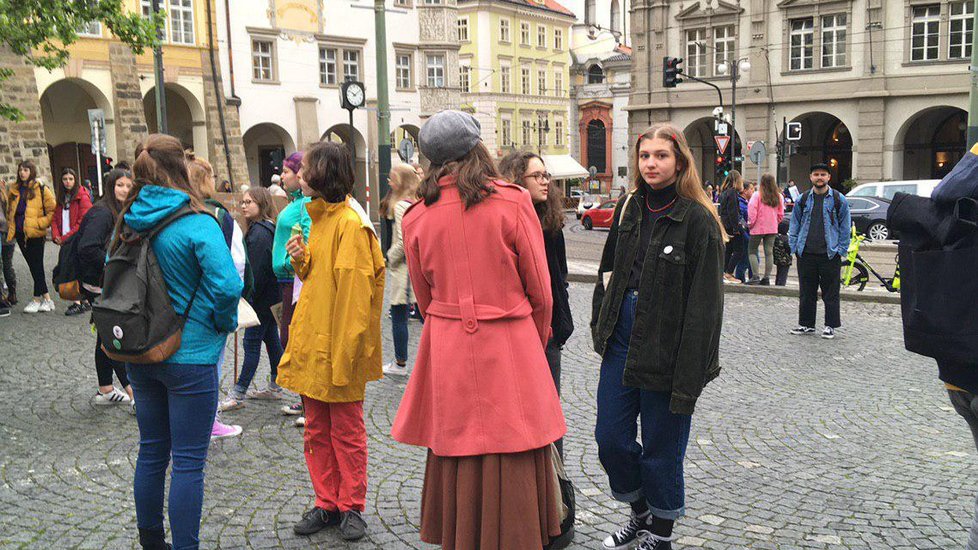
191,250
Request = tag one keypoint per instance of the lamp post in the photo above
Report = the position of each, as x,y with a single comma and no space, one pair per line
542,128
734,67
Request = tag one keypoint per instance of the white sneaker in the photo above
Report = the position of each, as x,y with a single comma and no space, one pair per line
46,305
114,397
828,333
229,404
300,422
32,307
393,369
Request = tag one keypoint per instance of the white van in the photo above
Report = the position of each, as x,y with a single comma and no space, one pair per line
887,189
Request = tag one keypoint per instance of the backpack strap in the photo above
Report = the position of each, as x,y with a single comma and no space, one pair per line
621,215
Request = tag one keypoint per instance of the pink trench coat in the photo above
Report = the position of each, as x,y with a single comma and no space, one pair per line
480,384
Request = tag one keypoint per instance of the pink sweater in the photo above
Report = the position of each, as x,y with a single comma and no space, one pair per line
763,219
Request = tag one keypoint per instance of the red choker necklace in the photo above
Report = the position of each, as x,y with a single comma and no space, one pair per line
657,210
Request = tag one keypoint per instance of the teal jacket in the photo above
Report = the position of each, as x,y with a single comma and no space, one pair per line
294,213
191,251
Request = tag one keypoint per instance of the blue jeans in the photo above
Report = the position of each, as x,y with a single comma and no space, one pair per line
399,326
254,337
175,412
654,469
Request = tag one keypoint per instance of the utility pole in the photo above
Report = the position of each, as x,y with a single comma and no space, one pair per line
383,102
161,125
973,108
734,75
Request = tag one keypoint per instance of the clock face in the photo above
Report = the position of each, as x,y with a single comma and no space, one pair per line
354,95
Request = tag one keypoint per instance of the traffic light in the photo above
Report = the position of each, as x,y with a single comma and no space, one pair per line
670,71
721,167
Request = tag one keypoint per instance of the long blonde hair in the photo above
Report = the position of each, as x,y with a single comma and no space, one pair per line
408,181
688,182
201,175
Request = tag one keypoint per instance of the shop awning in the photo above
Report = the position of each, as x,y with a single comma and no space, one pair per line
563,167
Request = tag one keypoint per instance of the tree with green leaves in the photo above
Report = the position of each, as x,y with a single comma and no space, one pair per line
42,31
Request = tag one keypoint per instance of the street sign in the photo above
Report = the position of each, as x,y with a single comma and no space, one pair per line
722,128
750,143
96,122
405,150
722,142
758,151
794,131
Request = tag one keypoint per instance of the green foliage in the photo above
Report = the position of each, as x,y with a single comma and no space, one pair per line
42,30
848,184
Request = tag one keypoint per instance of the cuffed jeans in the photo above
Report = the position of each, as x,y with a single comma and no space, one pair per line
966,404
654,469
399,330
266,332
175,413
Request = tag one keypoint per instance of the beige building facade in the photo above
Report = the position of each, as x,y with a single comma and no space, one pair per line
879,87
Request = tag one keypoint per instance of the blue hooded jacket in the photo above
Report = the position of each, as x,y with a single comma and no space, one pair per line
192,251
838,232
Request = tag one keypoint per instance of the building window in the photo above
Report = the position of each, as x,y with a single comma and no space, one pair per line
589,12
696,53
558,131
432,2
505,132
402,3
526,132
92,28
802,44
558,39
542,81
925,24
504,79
615,16
327,66
724,45
463,29
595,75
436,70
147,7
181,21
558,82
541,36
525,34
525,80
351,65
834,41
504,30
261,60
541,120
402,70
962,24
465,78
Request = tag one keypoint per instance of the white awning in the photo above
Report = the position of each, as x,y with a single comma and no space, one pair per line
563,167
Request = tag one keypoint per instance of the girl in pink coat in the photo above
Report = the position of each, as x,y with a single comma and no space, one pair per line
480,397
764,212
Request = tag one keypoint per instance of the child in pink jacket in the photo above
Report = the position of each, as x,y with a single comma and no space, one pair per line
764,212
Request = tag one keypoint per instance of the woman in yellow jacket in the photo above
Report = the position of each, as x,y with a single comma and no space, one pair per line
334,344
30,208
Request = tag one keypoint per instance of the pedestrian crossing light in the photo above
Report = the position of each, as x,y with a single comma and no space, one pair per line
721,167
670,71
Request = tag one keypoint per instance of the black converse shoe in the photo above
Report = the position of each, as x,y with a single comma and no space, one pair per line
655,542
625,537
316,520
802,330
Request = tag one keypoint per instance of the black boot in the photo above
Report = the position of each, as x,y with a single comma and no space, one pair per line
153,539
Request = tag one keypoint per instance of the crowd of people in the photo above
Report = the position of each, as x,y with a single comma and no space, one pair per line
474,249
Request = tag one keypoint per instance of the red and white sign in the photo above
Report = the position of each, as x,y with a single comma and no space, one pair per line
722,142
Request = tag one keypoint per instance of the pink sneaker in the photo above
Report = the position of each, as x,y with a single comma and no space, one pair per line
223,430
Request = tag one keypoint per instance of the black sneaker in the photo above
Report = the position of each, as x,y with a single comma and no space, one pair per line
765,282
802,330
753,282
626,536
74,309
316,520
655,542
352,527
4,311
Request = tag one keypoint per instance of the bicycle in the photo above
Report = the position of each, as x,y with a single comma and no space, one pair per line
856,270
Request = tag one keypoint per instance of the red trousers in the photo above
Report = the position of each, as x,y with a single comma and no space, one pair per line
336,454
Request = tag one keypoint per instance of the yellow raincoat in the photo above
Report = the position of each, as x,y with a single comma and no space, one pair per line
334,344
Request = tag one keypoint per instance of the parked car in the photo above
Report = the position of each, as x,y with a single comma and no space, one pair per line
600,215
887,189
587,202
869,215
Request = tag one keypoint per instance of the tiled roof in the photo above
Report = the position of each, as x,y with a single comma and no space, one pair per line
547,5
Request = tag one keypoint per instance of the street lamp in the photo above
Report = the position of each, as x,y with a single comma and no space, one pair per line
734,68
542,128
593,30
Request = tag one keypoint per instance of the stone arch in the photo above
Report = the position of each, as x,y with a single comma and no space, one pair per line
64,115
347,135
185,116
824,138
699,136
931,142
266,145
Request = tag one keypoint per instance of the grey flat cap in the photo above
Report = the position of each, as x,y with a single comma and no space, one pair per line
448,136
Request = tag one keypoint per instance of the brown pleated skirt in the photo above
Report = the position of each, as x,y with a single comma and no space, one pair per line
490,502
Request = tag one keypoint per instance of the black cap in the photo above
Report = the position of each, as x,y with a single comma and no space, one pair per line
819,166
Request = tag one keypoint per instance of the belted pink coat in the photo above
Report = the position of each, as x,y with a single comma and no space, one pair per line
481,383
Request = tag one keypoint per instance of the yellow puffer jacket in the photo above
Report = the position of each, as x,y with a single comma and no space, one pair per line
37,217
334,344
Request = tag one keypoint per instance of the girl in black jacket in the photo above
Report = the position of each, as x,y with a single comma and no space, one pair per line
527,170
730,216
93,239
259,213
657,313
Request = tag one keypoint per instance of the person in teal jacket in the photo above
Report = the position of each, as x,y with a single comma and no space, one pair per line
290,216
177,399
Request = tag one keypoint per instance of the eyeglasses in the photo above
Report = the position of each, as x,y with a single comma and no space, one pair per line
246,202
539,176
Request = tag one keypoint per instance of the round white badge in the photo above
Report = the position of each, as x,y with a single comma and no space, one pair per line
667,249
117,331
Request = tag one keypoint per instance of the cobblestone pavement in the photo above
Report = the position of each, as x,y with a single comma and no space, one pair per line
801,443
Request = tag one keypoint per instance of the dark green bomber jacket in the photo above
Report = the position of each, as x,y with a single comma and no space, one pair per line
675,339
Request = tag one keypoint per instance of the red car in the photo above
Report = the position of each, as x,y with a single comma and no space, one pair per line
599,216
